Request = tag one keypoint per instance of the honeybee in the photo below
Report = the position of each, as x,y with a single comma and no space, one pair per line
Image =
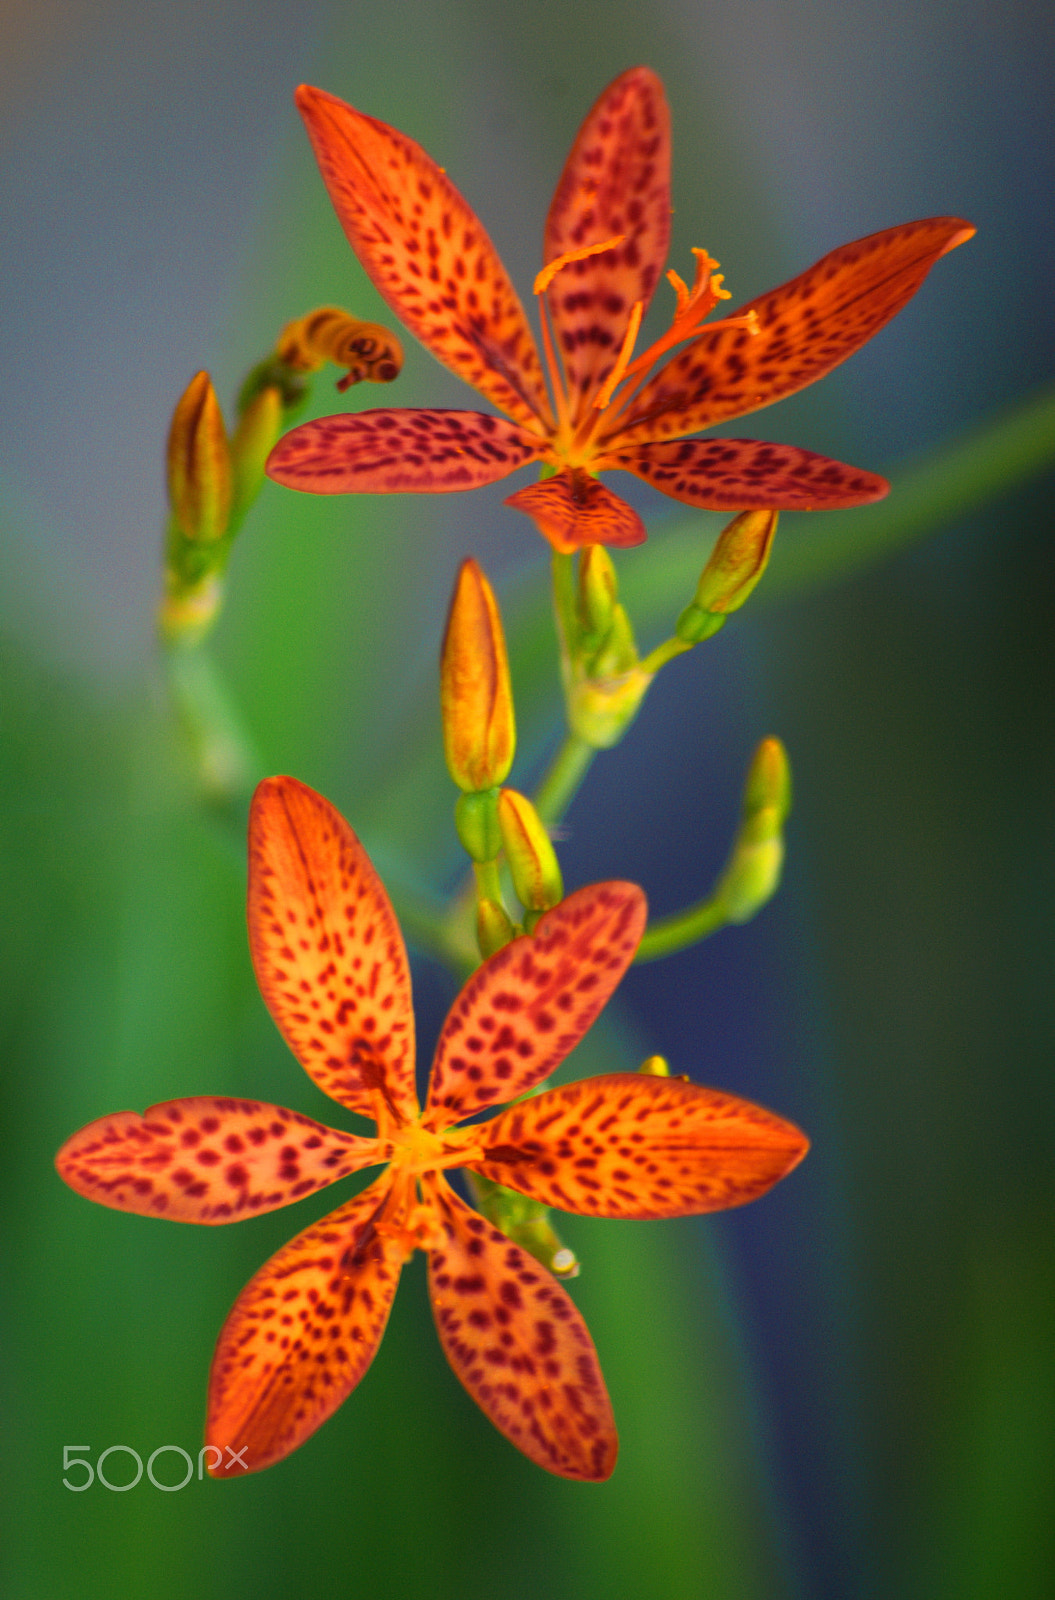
369,351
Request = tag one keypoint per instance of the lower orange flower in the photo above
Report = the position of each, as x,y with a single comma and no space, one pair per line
333,971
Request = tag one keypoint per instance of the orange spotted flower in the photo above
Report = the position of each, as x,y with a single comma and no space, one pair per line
604,248
333,971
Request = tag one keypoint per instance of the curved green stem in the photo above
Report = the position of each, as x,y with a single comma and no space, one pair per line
226,764
663,653
682,929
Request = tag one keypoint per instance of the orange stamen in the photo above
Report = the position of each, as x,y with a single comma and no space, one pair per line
548,273
693,306
622,364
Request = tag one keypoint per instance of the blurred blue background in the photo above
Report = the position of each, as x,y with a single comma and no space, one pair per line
846,1390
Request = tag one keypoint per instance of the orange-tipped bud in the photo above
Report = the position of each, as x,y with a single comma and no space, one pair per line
737,563
476,697
768,782
199,464
529,852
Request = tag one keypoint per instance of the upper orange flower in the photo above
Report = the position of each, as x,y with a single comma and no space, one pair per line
333,971
604,249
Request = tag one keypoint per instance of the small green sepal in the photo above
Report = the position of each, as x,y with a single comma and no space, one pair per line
476,819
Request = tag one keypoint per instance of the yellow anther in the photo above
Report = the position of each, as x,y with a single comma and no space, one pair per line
716,287
549,272
615,377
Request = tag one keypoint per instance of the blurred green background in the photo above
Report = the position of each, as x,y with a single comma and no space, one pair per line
846,1390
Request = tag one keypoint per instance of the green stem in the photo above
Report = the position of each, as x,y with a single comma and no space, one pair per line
682,929
226,764
663,653
562,778
488,883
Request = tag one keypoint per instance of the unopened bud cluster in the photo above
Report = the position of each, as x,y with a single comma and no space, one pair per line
479,741
604,680
213,479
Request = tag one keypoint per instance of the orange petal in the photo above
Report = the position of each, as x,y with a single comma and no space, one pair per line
522,1012
520,1347
573,509
631,1145
328,953
615,181
427,254
404,452
806,328
747,474
208,1160
300,1336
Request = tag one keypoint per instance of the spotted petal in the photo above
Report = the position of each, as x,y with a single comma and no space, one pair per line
427,253
328,953
745,474
628,1145
518,1344
395,451
806,328
521,1013
615,181
573,509
207,1159
301,1334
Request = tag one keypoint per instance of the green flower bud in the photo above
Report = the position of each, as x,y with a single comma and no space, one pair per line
598,589
737,562
752,874
254,439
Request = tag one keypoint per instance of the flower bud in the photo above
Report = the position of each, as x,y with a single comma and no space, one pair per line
655,1067
598,589
768,781
752,873
737,562
618,653
199,464
476,697
254,439
529,851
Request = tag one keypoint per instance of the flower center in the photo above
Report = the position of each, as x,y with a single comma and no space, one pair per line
415,1149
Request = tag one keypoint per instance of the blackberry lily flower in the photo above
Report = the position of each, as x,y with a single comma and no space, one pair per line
604,248
333,971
